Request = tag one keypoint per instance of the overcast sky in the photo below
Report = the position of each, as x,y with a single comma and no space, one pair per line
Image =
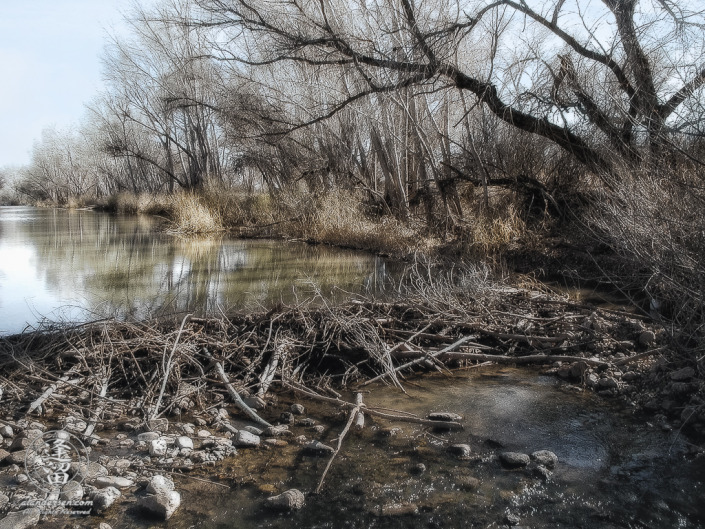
50,65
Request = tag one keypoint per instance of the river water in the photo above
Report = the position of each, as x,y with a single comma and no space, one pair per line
74,266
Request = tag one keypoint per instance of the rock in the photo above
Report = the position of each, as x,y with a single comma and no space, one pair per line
680,388
418,469
578,369
542,472
3,455
188,429
512,519
276,442
277,431
608,383
159,425
7,431
256,403
203,434
21,478
306,422
21,519
163,504
389,432
291,499
148,437
514,459
678,376
91,471
646,338
297,409
104,498
398,509
468,483
316,448
20,443
104,526
462,451
319,429
157,447
545,458
17,458
72,491
4,500
184,442
253,430
113,481
159,485
629,376
287,417
444,416
592,380
245,439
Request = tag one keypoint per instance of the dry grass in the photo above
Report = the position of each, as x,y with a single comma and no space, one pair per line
134,203
191,215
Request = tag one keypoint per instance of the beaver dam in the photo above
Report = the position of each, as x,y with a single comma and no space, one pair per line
315,415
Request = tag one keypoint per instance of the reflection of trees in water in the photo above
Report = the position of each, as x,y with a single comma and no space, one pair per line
122,267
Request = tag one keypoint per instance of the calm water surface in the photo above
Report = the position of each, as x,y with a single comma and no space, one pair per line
79,265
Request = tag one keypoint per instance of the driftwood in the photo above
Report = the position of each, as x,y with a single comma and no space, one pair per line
351,418
52,388
360,416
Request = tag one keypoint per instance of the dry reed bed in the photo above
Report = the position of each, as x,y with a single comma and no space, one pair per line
107,371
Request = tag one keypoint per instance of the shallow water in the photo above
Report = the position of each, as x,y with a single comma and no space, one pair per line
613,470
82,265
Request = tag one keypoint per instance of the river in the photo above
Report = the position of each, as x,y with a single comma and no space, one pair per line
59,265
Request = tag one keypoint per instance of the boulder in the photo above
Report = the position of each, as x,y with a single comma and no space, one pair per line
21,519
514,459
162,505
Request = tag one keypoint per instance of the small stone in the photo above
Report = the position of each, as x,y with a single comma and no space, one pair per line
319,429
277,431
17,458
287,417
683,374
184,442
21,478
147,437
578,369
545,458
297,409
542,472
462,451
514,459
4,500
444,416
21,519
72,491
592,380
7,431
157,447
276,442
163,504
292,499
203,434
646,338
104,525
316,448
104,499
307,422
199,421
245,439
159,425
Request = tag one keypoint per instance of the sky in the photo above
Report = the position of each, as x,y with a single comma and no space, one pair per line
50,66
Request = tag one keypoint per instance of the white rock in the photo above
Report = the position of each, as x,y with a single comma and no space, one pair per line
246,439
72,491
21,519
203,434
157,447
6,431
148,436
159,485
163,505
184,442
105,498
113,481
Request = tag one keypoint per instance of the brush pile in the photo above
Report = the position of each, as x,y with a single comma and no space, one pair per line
107,371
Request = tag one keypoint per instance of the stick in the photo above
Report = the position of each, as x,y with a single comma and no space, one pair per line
360,417
51,389
252,414
353,413
419,360
166,368
95,415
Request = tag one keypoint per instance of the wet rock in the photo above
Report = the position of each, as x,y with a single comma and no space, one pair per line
316,448
183,442
113,481
542,472
159,485
462,451
72,491
21,519
592,380
287,417
389,432
646,338
297,409
157,447
245,439
514,459
398,509
512,519
545,458
683,374
467,483
104,499
444,416
292,499
608,383
319,429
163,504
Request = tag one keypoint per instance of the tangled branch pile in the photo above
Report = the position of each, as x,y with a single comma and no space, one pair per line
106,371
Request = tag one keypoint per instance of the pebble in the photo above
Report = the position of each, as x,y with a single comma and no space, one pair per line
287,417
608,383
277,431
418,469
159,484
646,338
514,459
253,430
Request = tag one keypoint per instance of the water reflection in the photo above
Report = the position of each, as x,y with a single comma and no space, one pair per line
76,265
